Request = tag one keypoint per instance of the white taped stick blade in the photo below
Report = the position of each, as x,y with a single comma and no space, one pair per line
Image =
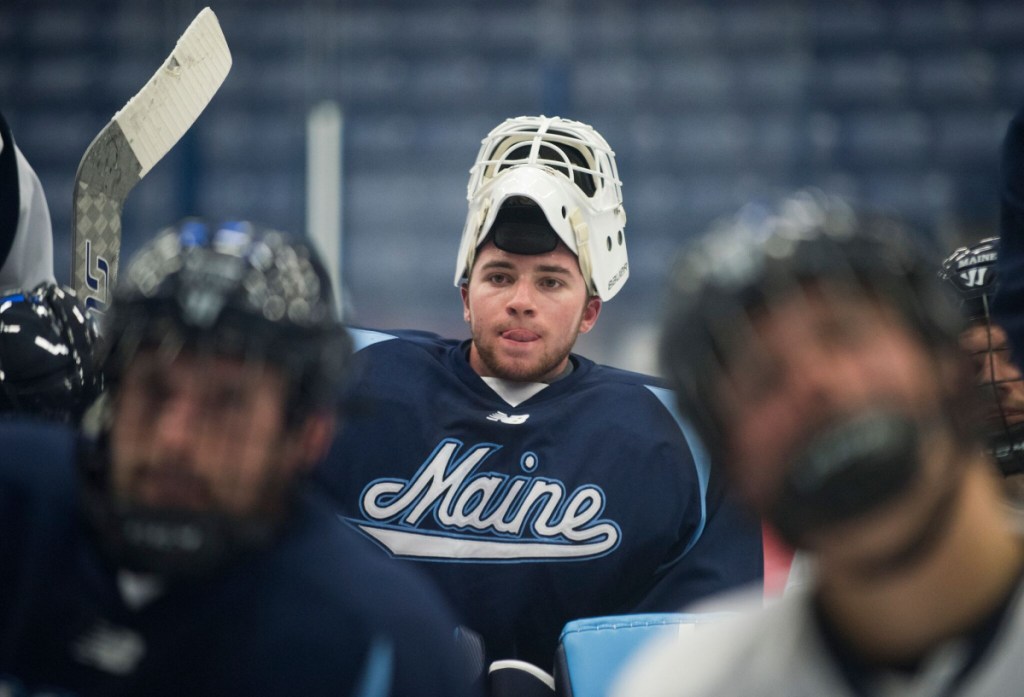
156,118
138,136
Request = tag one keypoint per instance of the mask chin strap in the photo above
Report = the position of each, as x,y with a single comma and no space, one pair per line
582,232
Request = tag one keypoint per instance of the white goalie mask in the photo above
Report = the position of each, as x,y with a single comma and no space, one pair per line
568,170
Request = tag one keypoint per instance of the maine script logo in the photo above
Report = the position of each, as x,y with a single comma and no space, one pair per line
484,516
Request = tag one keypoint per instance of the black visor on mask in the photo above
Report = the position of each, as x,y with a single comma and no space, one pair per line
521,228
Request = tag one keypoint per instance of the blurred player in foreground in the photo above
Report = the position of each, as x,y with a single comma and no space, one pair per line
971,273
533,485
173,548
817,352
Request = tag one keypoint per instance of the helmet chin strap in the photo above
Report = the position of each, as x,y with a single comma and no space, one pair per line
853,468
920,545
582,232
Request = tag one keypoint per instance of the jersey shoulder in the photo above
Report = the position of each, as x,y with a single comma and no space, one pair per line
649,395
398,339
38,460
348,578
335,560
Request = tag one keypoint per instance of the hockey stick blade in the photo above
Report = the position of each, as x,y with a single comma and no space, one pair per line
128,147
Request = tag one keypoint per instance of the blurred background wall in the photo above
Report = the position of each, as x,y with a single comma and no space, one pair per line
708,104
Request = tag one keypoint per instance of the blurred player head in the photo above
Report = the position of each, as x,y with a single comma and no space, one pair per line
816,352
542,247
46,354
971,273
223,354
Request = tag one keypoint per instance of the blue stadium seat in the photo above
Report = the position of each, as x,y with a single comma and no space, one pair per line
884,137
275,198
969,136
448,82
943,77
762,24
591,652
1010,89
862,78
66,29
133,28
919,23
778,139
719,137
700,80
921,195
1001,23
678,28
240,137
776,78
61,80
846,24
380,79
612,83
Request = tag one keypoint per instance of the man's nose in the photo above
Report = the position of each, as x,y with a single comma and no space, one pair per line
819,379
521,300
174,425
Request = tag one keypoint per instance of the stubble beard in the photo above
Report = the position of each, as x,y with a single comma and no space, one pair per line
535,370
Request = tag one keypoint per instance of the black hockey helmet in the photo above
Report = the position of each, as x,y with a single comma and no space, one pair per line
767,253
237,288
47,342
971,274
228,289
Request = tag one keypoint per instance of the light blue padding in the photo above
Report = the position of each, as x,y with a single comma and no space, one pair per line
700,456
361,338
597,648
375,680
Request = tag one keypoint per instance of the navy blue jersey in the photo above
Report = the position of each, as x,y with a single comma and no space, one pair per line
319,613
586,499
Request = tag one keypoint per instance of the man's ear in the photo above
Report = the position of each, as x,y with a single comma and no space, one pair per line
313,438
464,290
590,312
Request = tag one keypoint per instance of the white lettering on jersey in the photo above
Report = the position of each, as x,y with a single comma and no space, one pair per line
504,418
485,516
